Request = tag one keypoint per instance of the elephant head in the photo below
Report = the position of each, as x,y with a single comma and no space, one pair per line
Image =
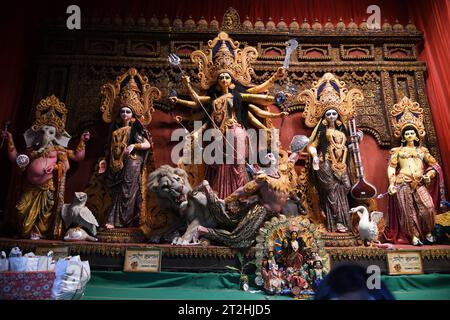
45,137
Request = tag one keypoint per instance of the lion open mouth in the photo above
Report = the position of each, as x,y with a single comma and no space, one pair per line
181,196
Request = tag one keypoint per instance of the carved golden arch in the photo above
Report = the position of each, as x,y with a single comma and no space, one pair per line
231,20
407,113
229,57
329,93
110,92
51,111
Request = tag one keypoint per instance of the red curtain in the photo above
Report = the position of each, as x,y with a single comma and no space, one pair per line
433,18
21,38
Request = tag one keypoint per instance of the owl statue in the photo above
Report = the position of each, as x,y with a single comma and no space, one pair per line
79,215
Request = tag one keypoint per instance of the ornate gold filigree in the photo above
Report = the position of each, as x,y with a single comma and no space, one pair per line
329,93
339,240
436,254
231,20
51,111
112,249
120,235
224,55
356,253
443,219
407,113
124,91
118,145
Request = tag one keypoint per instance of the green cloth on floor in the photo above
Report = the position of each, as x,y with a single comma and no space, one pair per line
118,285
433,286
169,286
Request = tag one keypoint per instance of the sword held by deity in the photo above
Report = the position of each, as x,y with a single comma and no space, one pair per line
291,45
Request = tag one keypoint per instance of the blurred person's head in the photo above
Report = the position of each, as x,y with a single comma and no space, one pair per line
349,282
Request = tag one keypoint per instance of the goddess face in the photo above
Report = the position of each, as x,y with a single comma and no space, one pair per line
410,135
126,114
331,115
224,80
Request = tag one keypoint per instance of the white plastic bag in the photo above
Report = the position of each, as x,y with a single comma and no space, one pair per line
72,276
32,262
18,264
44,263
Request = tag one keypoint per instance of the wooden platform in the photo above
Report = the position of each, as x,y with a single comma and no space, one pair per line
110,256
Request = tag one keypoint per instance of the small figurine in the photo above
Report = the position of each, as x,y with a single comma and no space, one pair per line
294,279
317,273
262,278
77,213
275,281
243,280
271,259
293,255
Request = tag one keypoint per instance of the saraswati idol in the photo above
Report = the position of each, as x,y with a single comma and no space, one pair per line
330,108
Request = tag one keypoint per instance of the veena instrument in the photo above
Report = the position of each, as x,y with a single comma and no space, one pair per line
361,189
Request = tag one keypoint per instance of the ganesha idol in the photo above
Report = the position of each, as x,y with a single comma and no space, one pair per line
47,157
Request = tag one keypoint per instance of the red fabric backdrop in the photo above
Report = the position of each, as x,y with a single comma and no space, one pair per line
21,38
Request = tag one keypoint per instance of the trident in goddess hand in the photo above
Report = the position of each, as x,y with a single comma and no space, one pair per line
175,60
